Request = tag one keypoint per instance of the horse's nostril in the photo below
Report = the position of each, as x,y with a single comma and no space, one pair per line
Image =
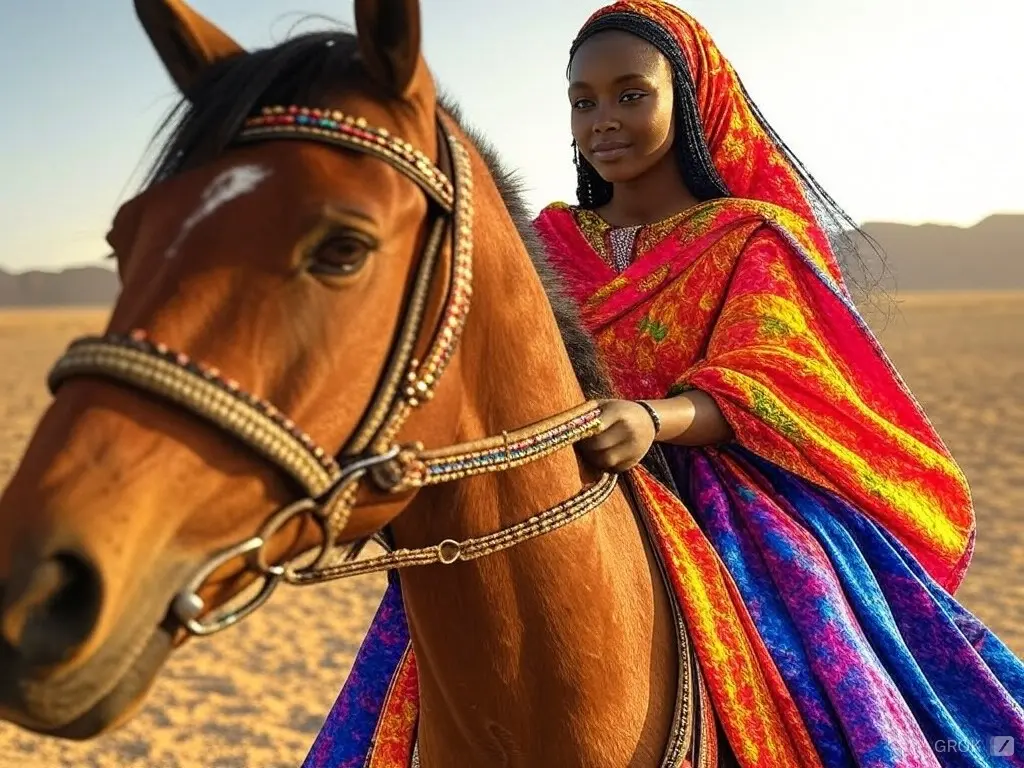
51,608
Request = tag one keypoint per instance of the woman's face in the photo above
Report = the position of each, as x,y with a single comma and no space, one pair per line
620,91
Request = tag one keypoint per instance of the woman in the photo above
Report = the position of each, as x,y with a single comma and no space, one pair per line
699,257
824,524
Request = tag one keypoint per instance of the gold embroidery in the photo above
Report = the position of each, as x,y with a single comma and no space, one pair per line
702,218
612,243
652,234
605,291
593,228
653,280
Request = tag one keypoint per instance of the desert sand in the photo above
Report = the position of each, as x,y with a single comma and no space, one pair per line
256,695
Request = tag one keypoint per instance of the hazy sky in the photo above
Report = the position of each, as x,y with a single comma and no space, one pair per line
905,110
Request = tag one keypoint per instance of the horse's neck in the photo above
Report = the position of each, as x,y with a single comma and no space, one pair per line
557,651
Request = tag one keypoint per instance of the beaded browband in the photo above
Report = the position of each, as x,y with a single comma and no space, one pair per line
331,483
336,127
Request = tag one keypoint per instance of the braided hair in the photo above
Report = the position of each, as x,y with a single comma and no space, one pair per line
694,156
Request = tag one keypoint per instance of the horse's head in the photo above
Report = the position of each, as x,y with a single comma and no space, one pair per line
286,304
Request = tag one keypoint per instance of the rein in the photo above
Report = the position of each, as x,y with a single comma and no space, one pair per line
411,373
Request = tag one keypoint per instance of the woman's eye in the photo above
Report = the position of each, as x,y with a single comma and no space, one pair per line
632,96
340,255
582,104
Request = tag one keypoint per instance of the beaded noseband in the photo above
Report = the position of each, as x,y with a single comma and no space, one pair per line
331,482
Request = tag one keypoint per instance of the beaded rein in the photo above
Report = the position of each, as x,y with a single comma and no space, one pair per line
331,483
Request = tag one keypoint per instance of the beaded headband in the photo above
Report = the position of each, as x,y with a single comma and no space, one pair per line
336,127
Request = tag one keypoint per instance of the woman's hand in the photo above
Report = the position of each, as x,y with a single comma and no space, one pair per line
626,436
690,419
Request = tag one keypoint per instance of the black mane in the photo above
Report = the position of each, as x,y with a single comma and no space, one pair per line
577,340
306,69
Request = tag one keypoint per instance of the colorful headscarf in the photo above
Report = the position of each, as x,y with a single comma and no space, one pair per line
746,157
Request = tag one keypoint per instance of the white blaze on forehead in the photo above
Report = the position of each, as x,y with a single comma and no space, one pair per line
229,185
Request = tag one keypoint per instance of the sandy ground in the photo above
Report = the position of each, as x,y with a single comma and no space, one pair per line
256,695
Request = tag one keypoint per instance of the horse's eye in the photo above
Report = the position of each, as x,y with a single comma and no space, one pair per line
340,255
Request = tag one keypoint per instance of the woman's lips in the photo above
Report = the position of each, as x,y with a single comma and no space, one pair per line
610,150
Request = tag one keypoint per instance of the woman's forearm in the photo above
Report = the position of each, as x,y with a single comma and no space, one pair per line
692,418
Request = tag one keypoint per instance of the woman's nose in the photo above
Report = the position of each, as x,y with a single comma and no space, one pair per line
606,121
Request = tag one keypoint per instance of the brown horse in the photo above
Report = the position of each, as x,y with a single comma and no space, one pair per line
331,277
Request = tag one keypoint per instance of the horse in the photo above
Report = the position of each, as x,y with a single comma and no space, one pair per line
335,324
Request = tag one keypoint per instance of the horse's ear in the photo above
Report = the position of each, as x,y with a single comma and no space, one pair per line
389,43
185,41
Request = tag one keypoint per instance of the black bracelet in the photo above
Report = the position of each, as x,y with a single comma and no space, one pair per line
653,414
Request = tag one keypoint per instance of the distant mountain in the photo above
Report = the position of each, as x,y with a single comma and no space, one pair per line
927,257
74,286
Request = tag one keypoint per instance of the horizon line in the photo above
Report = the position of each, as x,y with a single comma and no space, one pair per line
106,263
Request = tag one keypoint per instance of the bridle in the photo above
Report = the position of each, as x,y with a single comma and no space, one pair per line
415,363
